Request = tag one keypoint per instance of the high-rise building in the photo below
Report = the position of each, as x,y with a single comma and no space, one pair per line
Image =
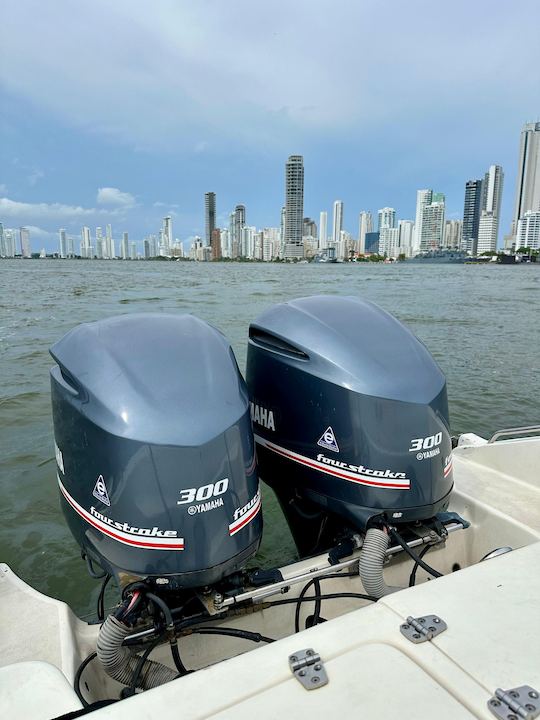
389,241
2,242
294,206
488,228
109,243
63,243
124,247
453,235
215,243
528,231
423,198
167,236
101,250
86,243
239,224
387,218
210,217
132,250
528,176
471,215
146,249
337,224
309,228
365,225
406,237
323,230
433,217
372,242
24,235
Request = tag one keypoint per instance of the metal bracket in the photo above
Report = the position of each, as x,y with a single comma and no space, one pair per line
308,669
521,703
418,630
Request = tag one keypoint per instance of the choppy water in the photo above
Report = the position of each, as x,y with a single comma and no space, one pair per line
481,323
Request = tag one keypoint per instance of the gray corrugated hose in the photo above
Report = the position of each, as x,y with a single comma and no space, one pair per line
120,664
371,563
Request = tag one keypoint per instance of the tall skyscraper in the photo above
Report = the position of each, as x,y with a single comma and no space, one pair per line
239,225
471,214
209,215
3,252
124,248
387,218
528,176
406,237
167,236
433,217
109,243
294,206
488,228
24,235
86,243
309,228
453,234
337,225
365,225
423,198
323,230
63,243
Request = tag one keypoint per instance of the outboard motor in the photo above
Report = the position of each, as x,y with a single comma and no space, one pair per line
155,453
350,417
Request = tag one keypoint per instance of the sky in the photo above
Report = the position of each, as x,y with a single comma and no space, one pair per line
123,112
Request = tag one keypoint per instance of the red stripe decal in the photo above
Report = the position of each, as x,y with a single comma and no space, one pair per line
242,522
102,527
360,479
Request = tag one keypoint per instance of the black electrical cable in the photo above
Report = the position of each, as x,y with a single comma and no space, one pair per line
77,680
234,632
91,571
412,578
170,629
330,596
101,598
142,659
315,581
397,537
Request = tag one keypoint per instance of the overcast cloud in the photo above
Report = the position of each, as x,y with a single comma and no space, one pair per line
170,99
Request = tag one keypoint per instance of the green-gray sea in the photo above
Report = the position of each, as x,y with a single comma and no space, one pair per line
481,323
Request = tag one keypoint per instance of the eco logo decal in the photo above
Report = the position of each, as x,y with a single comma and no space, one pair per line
100,491
328,440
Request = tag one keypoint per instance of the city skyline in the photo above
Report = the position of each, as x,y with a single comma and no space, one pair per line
126,137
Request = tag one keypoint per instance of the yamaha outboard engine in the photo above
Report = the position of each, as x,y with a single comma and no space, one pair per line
155,453
350,417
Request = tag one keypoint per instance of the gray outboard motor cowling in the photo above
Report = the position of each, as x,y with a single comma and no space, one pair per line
155,453
350,416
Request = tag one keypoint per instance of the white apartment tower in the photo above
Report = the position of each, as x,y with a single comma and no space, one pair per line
488,228
63,243
387,218
337,222
528,176
323,230
365,225
423,198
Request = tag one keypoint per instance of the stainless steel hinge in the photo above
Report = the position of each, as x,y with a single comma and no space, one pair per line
308,669
521,703
418,630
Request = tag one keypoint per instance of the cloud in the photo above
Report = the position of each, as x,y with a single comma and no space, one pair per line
114,196
252,83
33,212
34,176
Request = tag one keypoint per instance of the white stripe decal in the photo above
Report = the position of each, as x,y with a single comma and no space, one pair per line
134,539
362,479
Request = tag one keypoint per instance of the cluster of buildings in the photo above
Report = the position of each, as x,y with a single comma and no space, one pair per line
298,237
